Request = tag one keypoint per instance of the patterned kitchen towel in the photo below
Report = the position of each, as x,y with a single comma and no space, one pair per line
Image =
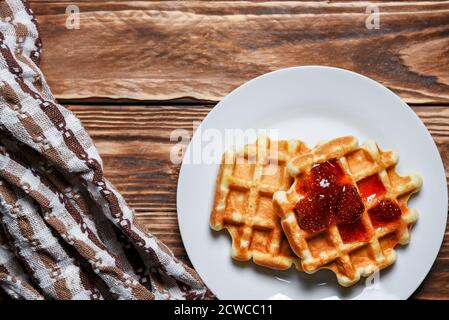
66,233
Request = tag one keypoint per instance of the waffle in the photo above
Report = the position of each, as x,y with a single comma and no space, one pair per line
372,173
245,186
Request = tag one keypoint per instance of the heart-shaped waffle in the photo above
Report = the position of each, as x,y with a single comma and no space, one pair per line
347,208
243,200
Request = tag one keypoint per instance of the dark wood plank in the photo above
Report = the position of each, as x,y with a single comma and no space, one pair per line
135,146
167,50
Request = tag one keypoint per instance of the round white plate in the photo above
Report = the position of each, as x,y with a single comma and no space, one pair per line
312,104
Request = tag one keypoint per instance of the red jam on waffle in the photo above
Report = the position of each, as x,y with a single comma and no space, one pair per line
352,232
385,212
330,198
371,188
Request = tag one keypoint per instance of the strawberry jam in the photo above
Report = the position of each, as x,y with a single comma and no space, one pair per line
329,197
385,212
350,205
371,188
351,232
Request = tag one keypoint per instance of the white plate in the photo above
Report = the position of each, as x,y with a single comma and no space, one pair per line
313,104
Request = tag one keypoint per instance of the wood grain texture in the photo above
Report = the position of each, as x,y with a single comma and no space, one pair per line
149,50
135,145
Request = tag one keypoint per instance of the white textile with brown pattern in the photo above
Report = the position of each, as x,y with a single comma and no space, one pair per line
66,233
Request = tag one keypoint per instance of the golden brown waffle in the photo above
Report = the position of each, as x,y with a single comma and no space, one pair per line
350,259
243,201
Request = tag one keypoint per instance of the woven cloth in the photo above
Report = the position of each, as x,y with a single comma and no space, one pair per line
66,233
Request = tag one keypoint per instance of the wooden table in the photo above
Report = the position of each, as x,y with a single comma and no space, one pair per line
136,70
